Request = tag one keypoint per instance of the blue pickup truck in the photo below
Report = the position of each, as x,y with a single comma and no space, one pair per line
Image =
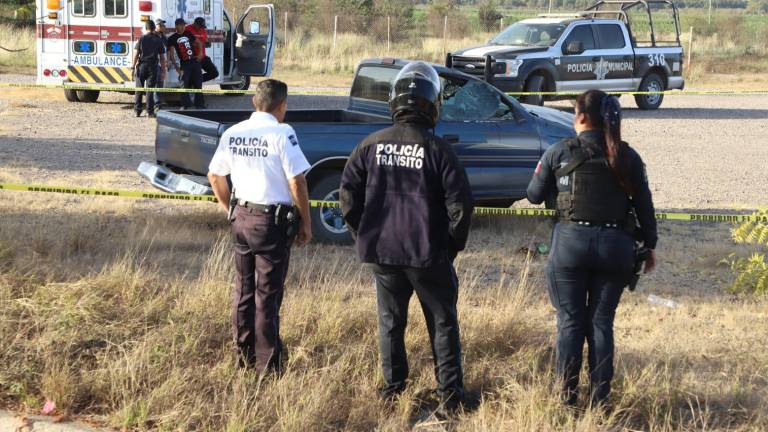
498,140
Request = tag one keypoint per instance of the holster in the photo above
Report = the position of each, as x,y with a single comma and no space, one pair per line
287,217
641,255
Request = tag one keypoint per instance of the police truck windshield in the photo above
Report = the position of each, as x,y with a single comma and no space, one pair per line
530,34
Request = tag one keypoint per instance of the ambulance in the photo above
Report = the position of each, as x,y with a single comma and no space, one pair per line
91,42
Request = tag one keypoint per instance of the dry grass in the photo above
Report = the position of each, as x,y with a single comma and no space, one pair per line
120,314
14,38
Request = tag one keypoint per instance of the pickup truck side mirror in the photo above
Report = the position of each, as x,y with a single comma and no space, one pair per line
573,48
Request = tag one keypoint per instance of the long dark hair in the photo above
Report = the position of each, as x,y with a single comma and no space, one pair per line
604,113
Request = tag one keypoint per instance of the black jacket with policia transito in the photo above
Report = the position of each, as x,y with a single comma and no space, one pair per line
546,184
406,198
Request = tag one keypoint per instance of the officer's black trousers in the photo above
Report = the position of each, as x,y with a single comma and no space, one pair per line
146,73
437,290
262,254
192,76
586,274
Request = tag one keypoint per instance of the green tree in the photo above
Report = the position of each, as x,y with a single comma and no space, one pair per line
758,6
488,15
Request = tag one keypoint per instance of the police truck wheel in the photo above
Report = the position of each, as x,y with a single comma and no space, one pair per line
534,84
71,95
244,84
327,223
651,83
88,96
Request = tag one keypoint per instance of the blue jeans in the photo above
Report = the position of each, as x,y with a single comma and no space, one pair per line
586,274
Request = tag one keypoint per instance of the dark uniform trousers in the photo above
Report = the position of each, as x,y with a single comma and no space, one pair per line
262,253
209,69
146,73
192,76
587,272
437,290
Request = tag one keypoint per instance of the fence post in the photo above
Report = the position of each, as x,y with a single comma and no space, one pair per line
501,25
690,51
445,34
709,14
335,29
285,28
389,40
550,6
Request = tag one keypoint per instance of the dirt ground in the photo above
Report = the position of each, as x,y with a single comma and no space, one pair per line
702,152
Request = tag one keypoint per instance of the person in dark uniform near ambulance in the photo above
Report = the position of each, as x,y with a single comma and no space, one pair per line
148,60
406,200
182,45
602,194
266,165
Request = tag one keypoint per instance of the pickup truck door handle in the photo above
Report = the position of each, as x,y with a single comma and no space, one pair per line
184,133
627,57
595,58
451,138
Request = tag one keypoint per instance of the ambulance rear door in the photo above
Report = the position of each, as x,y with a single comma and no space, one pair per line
51,42
101,37
255,41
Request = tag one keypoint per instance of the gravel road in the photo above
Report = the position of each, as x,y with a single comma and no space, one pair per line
702,152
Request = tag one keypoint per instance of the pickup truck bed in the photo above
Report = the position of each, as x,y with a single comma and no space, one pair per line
498,140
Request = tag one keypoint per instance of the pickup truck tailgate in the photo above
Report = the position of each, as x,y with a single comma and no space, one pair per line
187,142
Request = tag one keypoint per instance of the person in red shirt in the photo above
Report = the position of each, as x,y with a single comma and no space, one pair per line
197,28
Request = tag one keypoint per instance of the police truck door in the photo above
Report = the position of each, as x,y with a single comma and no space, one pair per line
254,41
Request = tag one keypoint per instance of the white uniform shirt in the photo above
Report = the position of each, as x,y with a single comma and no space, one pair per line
261,155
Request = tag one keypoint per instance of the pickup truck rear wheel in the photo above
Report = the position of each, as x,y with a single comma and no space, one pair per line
327,222
88,96
651,83
534,84
71,95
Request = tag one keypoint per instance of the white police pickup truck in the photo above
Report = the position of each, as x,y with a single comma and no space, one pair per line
612,46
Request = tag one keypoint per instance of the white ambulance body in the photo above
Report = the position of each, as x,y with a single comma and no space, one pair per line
92,41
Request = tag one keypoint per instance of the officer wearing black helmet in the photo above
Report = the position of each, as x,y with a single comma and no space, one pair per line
602,195
406,200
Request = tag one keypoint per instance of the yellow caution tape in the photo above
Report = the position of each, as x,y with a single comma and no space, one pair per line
76,86
484,211
345,92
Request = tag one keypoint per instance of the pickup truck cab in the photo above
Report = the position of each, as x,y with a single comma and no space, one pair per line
498,140
593,49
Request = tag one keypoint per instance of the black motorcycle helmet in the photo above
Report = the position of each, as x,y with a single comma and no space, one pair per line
416,91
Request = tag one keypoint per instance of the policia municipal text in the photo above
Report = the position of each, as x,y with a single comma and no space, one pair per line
270,210
602,195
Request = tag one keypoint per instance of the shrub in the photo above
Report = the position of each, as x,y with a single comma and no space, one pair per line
751,274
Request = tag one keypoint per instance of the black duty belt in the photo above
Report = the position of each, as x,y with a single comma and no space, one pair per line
263,208
609,224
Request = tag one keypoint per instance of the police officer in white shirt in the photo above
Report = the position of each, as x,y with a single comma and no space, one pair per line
266,166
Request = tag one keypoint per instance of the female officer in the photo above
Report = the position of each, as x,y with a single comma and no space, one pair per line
601,193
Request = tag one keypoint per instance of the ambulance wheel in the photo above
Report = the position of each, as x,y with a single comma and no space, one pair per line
88,96
71,95
243,85
327,223
534,84
651,83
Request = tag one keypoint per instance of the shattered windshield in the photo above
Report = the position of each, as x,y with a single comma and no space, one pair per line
522,34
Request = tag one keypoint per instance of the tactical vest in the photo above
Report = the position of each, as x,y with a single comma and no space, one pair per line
595,194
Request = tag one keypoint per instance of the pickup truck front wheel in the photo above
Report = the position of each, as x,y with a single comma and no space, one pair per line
651,83
327,222
534,84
